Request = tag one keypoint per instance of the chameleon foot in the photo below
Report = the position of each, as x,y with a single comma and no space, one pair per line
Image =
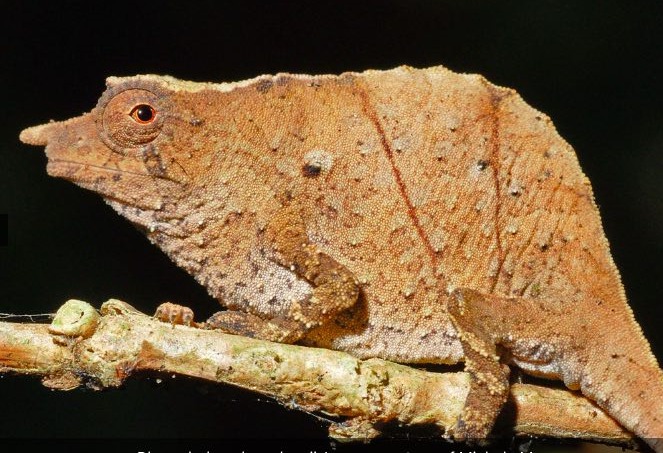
175,314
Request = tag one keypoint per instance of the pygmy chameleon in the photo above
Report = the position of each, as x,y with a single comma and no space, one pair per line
420,216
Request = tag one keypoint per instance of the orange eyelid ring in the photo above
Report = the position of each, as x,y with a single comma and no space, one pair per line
143,113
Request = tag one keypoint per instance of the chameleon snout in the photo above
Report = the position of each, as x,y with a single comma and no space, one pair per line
72,133
38,135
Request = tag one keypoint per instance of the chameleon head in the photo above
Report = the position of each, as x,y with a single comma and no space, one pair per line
154,148
125,148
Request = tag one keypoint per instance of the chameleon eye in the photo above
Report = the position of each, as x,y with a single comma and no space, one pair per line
131,118
143,113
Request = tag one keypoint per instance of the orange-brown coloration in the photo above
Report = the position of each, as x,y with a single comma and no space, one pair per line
420,216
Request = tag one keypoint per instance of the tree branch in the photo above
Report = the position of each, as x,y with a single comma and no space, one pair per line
105,349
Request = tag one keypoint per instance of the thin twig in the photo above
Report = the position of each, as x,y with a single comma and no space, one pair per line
104,350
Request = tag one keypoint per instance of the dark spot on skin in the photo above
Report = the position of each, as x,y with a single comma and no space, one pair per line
346,79
254,267
153,161
311,170
544,247
283,80
482,164
232,217
340,323
272,301
546,154
264,86
117,177
196,122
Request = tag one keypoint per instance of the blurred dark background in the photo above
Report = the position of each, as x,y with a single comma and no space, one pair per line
594,67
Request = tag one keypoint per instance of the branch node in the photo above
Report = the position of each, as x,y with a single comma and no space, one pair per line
74,319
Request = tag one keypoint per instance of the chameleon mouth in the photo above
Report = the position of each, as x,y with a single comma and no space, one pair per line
76,171
111,183
66,169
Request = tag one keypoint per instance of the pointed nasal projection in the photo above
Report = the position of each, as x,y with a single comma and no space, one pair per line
40,135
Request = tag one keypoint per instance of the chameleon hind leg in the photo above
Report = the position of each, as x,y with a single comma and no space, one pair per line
489,378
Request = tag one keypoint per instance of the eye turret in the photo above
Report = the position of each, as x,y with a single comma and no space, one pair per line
129,118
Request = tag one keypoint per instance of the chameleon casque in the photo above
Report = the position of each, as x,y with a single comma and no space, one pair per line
420,216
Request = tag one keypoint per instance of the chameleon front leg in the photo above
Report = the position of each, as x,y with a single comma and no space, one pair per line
479,334
335,288
230,321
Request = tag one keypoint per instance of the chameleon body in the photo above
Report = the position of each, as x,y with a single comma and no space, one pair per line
420,216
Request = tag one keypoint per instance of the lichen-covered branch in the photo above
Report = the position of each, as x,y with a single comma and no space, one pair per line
105,349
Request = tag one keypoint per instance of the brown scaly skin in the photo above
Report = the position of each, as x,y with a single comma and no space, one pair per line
420,216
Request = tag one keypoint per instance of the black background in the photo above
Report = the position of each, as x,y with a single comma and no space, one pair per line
594,67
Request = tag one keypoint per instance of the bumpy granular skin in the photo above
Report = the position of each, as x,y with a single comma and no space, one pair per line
421,216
